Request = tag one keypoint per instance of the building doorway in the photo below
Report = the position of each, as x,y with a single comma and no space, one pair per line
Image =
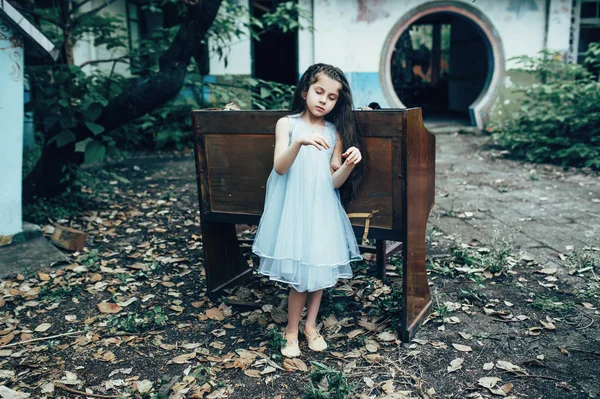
446,59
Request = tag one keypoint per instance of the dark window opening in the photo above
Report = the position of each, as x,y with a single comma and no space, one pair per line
275,55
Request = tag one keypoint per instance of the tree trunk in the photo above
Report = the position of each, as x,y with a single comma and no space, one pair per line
45,178
67,52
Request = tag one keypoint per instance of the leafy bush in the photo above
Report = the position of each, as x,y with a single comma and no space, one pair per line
170,126
558,117
327,383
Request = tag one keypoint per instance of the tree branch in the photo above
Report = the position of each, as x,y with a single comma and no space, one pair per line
81,17
156,90
119,59
80,4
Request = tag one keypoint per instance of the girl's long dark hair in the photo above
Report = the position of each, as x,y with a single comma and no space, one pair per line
341,116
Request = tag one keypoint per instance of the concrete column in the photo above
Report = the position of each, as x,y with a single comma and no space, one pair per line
239,55
559,25
306,41
11,129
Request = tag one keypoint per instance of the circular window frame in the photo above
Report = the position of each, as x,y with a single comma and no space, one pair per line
480,108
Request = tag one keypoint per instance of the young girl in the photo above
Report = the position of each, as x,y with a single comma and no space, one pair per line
304,237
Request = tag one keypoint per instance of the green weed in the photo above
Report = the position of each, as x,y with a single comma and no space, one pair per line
276,342
134,323
388,304
584,258
473,295
441,310
55,294
329,304
592,291
552,305
327,383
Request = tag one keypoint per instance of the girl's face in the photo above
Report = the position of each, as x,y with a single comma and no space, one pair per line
322,95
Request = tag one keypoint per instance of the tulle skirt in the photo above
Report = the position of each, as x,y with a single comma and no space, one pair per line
304,237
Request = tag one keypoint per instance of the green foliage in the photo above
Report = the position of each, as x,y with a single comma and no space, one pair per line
276,343
330,303
327,383
473,296
558,117
590,292
389,304
587,257
55,294
69,97
106,29
91,260
552,305
251,93
132,322
592,59
80,194
235,21
494,260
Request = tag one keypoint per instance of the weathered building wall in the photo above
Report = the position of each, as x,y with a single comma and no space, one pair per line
353,34
85,50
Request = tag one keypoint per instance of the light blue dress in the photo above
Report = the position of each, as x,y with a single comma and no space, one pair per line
304,237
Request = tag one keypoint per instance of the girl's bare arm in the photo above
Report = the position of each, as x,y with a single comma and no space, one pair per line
353,156
286,152
336,157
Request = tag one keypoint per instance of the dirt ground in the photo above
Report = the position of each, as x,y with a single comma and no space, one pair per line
515,301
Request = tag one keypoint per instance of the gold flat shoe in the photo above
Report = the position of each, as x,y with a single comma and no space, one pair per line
315,341
291,348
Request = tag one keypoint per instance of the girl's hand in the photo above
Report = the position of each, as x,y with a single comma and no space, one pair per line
315,140
352,155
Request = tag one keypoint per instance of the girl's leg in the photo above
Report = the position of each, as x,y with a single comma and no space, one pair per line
296,301
313,303
315,340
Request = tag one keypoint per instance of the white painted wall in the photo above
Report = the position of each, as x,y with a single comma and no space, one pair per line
352,36
11,132
85,49
239,60
306,49
560,25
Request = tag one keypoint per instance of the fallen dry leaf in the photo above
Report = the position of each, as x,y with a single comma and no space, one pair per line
7,393
278,315
488,382
508,366
547,270
43,327
548,326
354,333
215,314
181,359
462,348
106,307
563,350
456,364
507,387
294,365
6,339
253,373
387,336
